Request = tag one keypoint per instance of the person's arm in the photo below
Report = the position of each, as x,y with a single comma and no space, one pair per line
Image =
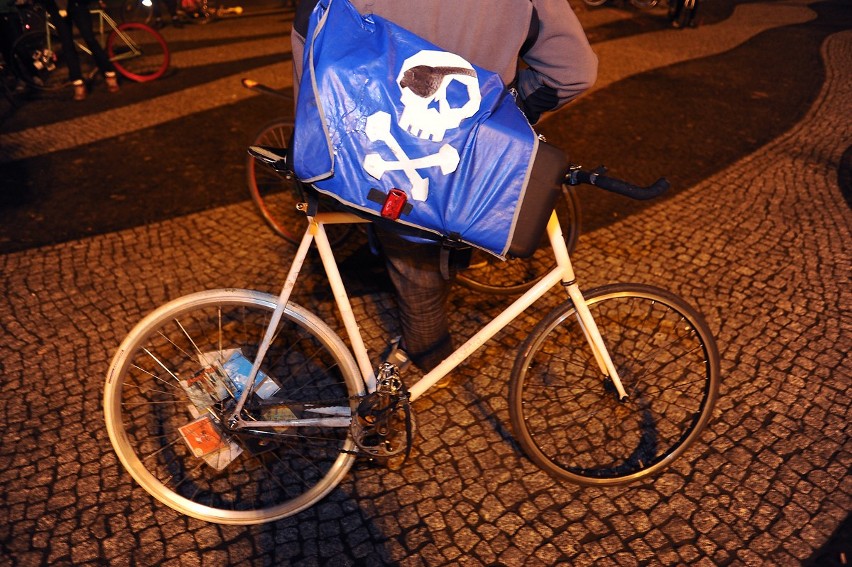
297,38
561,63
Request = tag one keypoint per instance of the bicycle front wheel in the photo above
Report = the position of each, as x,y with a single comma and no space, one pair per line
489,274
138,52
567,416
172,383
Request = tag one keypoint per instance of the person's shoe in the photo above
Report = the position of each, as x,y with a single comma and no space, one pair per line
396,356
79,90
111,81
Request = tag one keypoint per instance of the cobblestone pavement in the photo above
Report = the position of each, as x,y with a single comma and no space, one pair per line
761,247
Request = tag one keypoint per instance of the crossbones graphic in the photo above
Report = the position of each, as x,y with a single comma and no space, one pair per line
423,82
378,130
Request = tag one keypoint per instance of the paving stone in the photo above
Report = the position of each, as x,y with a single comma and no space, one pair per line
761,248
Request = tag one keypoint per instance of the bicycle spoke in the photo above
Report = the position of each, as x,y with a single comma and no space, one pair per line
176,443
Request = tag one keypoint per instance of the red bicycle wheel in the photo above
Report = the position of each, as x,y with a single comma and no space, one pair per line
138,52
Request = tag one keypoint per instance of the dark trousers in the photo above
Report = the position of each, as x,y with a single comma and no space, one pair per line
422,288
10,30
78,15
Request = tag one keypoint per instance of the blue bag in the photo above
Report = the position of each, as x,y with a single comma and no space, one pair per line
391,125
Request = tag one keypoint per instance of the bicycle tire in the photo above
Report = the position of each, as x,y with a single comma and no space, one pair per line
569,421
489,274
137,11
276,194
272,477
40,61
138,52
594,3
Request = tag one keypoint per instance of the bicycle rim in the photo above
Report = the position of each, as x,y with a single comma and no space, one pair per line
138,52
489,274
154,408
567,417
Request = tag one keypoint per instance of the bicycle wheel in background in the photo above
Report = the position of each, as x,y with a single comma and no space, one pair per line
275,194
40,61
170,387
138,52
141,11
568,418
489,274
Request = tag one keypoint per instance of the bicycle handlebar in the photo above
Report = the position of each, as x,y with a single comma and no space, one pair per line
576,176
254,85
277,159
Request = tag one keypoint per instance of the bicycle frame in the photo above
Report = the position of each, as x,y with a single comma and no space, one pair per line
105,25
563,272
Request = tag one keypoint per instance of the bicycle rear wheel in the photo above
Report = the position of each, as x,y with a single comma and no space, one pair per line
138,52
567,417
159,401
489,274
276,194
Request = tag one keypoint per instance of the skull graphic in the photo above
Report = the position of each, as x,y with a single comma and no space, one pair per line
424,80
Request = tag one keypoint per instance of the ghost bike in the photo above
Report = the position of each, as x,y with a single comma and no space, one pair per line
240,407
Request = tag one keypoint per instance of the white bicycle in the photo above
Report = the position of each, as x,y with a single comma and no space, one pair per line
239,407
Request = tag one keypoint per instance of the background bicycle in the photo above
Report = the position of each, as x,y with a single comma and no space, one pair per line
156,12
138,52
276,195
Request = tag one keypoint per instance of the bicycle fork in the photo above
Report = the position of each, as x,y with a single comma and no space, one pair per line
584,316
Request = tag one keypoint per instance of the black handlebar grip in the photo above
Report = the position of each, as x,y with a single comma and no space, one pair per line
254,85
618,186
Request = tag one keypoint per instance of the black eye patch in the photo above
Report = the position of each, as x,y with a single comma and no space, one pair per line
424,80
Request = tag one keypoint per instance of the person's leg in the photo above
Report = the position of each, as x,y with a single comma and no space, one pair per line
9,31
422,293
693,17
78,12
66,37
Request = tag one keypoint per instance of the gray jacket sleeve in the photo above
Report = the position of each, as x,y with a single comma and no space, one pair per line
546,34
560,62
